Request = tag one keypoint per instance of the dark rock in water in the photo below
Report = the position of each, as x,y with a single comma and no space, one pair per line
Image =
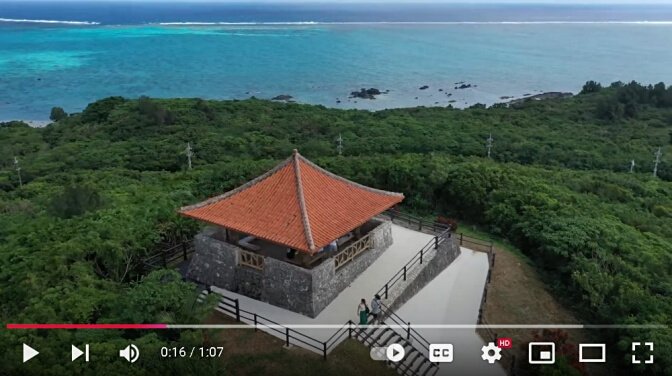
463,86
283,97
387,91
440,89
449,94
459,83
366,93
424,87
505,97
452,101
416,97
338,101
526,95
436,102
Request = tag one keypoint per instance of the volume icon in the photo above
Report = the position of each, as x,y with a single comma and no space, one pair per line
130,353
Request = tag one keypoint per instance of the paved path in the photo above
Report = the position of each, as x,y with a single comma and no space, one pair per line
406,244
453,297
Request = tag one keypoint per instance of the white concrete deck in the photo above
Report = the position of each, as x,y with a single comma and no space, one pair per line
454,297
406,244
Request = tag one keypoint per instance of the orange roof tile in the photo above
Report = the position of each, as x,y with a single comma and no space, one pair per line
297,204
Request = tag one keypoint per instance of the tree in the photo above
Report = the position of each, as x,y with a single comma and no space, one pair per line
57,114
591,87
75,200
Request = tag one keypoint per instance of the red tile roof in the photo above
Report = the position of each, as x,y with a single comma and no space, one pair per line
296,204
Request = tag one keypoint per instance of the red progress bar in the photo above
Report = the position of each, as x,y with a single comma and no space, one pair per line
87,326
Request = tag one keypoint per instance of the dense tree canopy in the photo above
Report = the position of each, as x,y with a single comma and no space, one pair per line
101,189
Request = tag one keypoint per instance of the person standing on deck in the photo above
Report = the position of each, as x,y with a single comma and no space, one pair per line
363,312
376,308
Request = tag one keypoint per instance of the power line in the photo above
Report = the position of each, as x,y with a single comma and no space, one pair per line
18,170
659,154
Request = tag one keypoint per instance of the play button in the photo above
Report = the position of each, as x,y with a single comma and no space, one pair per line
29,353
395,352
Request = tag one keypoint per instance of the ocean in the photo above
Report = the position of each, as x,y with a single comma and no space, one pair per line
69,54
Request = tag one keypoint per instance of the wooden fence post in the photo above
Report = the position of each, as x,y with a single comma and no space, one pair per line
421,251
408,331
386,291
255,322
436,242
287,337
461,237
184,250
237,310
404,272
324,350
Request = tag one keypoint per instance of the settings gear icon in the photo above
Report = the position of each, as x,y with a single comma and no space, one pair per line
491,353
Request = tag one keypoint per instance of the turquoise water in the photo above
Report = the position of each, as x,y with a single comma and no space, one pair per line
70,66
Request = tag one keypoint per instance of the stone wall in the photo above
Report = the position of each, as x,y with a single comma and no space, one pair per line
306,291
288,286
214,262
445,255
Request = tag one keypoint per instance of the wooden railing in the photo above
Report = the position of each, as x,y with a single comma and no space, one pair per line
352,251
231,307
169,257
251,260
414,222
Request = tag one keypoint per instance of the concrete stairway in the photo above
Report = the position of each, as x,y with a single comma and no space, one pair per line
414,362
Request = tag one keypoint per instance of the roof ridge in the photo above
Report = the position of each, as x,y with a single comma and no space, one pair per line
250,183
350,182
296,157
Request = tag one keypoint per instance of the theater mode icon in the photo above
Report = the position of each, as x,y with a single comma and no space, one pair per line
592,353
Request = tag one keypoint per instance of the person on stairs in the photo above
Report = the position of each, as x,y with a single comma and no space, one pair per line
376,309
363,312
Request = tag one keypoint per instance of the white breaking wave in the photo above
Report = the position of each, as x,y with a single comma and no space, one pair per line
49,21
418,23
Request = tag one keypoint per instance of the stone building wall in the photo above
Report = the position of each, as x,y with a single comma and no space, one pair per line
306,291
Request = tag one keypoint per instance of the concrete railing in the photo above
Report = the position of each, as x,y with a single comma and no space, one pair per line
352,251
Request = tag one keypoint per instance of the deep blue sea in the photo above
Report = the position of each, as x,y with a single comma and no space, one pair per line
71,53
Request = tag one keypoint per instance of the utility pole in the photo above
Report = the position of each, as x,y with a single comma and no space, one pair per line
659,154
190,153
488,145
632,166
339,147
18,170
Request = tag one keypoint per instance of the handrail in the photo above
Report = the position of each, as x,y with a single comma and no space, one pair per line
232,306
167,256
410,332
411,219
425,251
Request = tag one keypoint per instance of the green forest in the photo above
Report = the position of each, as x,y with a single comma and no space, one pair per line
99,191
